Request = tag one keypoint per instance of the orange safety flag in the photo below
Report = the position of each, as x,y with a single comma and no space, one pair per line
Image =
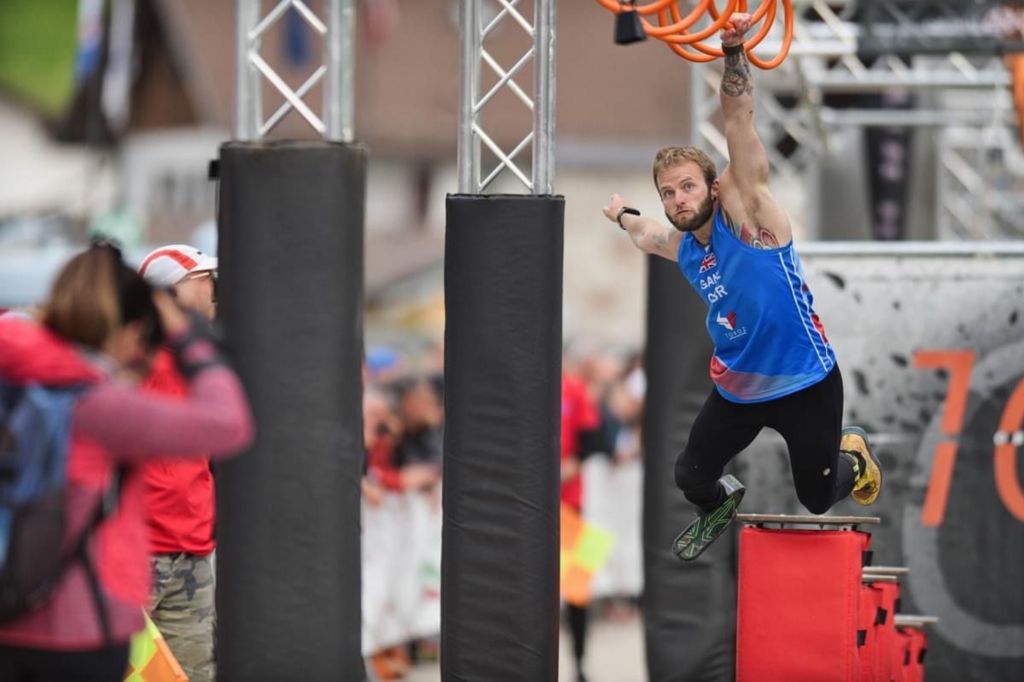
150,659
1015,64
584,551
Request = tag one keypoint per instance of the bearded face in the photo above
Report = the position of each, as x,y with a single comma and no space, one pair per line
690,221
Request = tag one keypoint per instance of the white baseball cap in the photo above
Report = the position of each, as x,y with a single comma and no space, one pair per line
168,265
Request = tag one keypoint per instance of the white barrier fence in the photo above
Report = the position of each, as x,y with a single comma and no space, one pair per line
401,547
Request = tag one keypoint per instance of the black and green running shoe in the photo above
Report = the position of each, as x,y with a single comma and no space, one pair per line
706,528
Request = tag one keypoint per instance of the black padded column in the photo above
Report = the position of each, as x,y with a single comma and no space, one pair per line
689,608
499,566
291,281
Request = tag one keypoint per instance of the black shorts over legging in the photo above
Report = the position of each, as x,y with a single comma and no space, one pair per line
810,421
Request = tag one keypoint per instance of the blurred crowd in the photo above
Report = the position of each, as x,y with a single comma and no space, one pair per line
403,421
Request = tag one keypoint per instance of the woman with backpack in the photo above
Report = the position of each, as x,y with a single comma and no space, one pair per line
97,332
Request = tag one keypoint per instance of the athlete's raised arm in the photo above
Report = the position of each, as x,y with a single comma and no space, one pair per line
754,214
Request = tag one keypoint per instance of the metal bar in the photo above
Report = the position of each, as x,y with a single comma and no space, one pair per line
505,160
544,97
273,15
872,578
282,110
497,19
809,519
910,620
339,91
288,93
519,18
248,102
910,117
512,85
469,58
308,15
913,249
503,80
875,81
887,570
497,169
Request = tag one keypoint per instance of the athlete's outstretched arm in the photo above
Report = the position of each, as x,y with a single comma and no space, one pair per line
648,235
746,178
748,161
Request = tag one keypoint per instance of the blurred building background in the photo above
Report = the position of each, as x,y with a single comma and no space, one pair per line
111,110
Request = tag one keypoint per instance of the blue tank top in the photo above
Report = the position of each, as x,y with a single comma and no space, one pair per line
768,341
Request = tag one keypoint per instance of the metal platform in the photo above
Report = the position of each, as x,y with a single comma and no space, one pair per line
876,578
912,621
887,570
807,520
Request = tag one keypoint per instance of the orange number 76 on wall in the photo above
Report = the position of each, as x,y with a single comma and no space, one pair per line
959,363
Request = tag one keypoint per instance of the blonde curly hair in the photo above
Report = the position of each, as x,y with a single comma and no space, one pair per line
673,156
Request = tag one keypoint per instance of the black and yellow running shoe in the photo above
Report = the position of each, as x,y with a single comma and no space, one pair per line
706,528
868,482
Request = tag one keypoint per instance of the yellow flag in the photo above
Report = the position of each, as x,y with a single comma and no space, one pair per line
150,659
584,551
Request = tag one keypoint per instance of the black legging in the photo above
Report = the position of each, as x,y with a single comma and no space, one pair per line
46,665
811,423
577,617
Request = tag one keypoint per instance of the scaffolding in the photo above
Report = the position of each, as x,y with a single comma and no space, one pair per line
929,67
337,28
535,24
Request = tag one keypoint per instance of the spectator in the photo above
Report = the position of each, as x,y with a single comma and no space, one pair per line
380,431
180,492
422,415
101,323
580,420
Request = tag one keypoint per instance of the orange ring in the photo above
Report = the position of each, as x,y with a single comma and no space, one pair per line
673,28
682,51
686,38
663,31
787,40
711,52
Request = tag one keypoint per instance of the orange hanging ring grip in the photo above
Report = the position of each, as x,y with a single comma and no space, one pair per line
674,29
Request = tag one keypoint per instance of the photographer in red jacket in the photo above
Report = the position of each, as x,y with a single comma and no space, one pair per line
97,331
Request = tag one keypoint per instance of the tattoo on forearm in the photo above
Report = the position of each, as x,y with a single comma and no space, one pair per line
736,80
659,240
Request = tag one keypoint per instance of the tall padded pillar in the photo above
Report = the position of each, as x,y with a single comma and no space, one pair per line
291,283
503,336
689,609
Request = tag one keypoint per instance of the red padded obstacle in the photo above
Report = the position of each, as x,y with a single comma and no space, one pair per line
913,670
799,601
886,641
913,643
870,614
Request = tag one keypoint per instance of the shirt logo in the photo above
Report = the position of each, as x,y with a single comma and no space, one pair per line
709,262
729,322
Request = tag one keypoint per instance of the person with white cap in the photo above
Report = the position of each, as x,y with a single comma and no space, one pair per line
180,504
187,272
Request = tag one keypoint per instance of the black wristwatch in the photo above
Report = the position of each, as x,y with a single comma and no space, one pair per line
622,211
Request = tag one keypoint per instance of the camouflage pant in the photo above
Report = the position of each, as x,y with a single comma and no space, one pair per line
183,610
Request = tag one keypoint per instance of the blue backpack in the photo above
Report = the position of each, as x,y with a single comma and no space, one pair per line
35,435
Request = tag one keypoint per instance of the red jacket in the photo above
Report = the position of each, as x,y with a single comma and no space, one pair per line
179,492
114,423
579,413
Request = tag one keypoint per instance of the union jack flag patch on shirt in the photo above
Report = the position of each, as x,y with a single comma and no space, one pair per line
709,262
